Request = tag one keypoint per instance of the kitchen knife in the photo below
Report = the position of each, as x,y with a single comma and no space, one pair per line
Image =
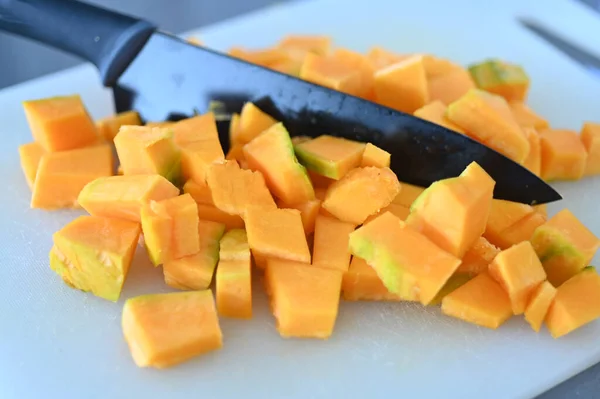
164,77
576,53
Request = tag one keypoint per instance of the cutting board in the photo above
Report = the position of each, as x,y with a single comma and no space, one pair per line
59,342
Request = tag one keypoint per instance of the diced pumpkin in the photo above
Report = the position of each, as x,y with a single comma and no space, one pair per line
542,209
236,153
330,156
525,116
170,228
195,41
290,66
477,259
143,151
163,330
403,85
450,86
381,58
333,73
480,301
252,122
360,63
212,213
234,190
234,281
62,175
234,124
590,137
519,272
533,162
319,181
360,193
507,80
195,272
94,253
199,191
521,231
576,303
436,66
304,299
265,57
109,127
60,123
199,128
538,305
563,155
375,156
361,283
277,233
435,112
122,196
320,45
272,154
455,281
308,212
159,124
400,211
504,214
331,243
30,155
396,252
408,194
564,245
487,118
453,212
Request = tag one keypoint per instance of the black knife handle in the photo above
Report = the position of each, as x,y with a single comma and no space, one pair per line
107,39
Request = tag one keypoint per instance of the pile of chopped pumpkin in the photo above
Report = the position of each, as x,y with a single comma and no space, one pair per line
315,218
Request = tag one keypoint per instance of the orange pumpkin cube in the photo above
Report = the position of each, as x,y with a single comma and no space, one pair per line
360,193
308,212
163,330
30,155
381,58
375,156
504,214
402,86
590,137
564,245
199,191
361,283
533,162
487,118
400,211
435,112
360,63
170,228
519,272
109,127
538,305
480,301
62,175
333,73
408,194
195,272
252,122
576,303
521,231
330,156
277,233
477,259
60,123
234,280
331,243
563,155
320,45
450,86
304,299
233,189
212,213
525,116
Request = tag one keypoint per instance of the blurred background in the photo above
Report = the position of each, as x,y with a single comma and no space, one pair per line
23,59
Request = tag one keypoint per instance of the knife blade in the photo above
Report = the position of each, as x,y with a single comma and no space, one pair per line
576,53
163,77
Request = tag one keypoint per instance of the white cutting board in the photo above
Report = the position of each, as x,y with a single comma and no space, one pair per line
59,342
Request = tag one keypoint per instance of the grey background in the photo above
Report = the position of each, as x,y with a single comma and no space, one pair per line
23,60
